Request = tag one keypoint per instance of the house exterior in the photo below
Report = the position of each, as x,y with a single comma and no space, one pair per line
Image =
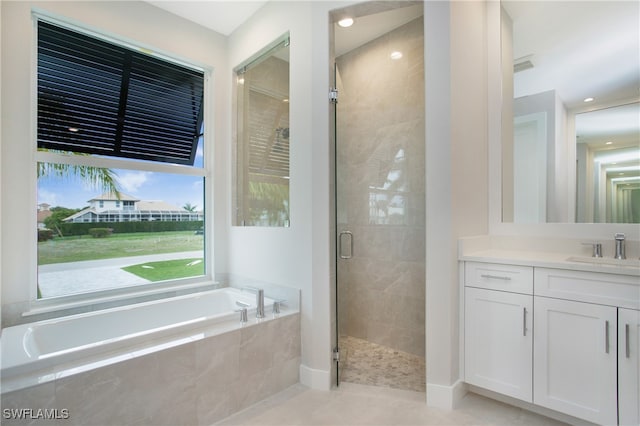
124,208
43,213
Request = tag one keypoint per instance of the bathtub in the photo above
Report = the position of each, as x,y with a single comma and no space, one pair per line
53,347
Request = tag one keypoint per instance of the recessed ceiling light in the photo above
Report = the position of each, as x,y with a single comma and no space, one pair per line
396,55
74,129
608,143
588,99
345,22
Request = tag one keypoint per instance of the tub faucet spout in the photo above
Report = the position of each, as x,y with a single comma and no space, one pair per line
620,254
259,300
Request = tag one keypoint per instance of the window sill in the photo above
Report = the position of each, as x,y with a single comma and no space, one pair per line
112,298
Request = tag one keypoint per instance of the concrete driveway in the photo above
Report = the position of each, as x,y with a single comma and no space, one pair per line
79,277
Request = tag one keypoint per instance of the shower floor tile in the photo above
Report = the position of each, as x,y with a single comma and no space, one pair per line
368,363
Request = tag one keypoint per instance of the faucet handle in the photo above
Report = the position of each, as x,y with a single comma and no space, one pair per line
244,316
596,249
276,305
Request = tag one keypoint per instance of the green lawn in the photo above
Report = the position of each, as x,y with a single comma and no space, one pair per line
73,249
168,270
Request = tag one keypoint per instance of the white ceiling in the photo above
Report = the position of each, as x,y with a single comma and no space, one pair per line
369,27
225,16
222,16
579,48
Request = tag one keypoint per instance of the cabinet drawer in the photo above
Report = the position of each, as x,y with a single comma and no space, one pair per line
590,287
495,276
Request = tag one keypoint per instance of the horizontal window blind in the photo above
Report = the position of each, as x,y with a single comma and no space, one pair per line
96,97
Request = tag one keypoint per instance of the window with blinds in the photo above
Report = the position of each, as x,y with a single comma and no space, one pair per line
96,97
121,165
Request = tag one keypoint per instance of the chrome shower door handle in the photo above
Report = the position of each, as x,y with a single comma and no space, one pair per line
340,237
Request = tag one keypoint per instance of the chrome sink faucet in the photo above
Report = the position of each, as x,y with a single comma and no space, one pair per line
259,300
620,254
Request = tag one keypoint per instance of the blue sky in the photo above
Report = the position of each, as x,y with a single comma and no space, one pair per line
174,189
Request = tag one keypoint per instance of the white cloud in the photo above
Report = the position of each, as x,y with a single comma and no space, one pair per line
132,181
48,197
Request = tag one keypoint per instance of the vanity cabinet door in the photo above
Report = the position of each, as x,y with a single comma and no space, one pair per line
575,359
498,341
629,366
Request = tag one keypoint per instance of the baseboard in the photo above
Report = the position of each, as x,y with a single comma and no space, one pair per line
315,379
446,397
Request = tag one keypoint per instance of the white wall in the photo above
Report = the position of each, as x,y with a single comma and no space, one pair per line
134,21
457,175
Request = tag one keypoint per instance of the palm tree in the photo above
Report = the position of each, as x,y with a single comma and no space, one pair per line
190,208
98,177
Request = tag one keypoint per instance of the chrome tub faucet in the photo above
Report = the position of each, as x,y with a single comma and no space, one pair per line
620,254
259,300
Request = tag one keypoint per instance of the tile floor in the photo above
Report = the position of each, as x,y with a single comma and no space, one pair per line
354,404
367,363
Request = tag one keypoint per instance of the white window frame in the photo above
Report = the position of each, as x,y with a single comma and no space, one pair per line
123,294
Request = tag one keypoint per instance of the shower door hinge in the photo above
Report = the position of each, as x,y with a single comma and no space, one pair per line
333,95
336,354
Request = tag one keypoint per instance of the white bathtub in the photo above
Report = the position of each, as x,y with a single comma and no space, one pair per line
119,332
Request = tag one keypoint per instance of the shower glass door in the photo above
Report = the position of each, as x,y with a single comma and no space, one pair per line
380,209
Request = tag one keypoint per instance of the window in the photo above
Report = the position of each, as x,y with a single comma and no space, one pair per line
120,158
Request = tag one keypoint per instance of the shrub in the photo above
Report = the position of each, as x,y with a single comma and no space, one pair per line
69,229
100,232
45,234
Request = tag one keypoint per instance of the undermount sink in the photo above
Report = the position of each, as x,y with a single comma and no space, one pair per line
627,263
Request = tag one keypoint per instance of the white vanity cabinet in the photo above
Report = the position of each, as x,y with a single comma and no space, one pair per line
574,371
629,366
569,342
498,328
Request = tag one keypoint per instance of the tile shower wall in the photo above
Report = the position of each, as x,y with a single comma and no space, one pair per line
196,383
381,190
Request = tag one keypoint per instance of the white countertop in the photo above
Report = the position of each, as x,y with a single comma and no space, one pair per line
553,260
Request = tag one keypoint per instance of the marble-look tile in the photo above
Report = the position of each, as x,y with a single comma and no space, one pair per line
152,389
217,367
353,404
381,288
34,398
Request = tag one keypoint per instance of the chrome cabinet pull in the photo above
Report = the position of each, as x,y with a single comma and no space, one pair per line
627,344
495,277
606,336
342,234
524,321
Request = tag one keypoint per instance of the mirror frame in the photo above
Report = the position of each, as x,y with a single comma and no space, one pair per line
586,231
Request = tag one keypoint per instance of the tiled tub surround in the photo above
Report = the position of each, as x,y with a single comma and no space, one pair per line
380,165
196,376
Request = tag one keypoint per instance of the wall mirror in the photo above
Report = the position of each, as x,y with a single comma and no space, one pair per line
571,122
261,176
